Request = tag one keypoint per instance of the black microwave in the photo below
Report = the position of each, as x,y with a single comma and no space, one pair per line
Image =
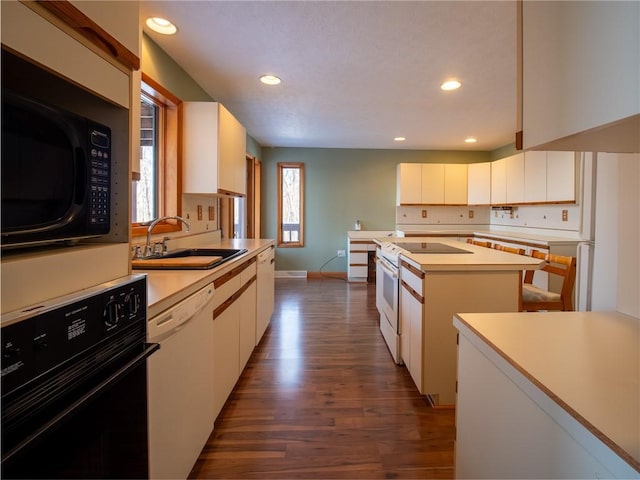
56,174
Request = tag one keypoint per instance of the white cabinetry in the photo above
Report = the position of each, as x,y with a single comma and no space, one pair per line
234,328
214,150
409,184
592,108
499,182
265,294
515,178
479,183
550,177
431,184
428,301
455,184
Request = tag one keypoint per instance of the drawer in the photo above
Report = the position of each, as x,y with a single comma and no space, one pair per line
412,277
358,272
358,258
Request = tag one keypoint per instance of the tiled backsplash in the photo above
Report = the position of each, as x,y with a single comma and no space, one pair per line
530,216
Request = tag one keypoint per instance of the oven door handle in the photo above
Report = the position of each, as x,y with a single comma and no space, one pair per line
386,266
150,348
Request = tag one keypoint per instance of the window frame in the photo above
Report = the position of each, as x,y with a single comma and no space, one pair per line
170,162
280,242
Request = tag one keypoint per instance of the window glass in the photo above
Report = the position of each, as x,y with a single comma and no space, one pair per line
290,204
145,190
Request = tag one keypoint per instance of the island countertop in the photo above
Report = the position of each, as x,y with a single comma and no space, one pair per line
586,362
479,258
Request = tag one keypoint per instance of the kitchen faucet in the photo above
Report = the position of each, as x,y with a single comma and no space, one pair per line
148,251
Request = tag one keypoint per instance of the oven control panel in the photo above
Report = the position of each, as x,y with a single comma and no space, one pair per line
42,339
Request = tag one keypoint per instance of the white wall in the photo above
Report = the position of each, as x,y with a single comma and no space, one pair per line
616,268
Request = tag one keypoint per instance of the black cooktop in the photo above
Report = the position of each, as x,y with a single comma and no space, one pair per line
429,247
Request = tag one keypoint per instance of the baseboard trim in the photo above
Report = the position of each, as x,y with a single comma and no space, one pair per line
291,274
340,275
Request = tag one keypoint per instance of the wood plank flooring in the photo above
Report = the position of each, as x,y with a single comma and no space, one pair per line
322,398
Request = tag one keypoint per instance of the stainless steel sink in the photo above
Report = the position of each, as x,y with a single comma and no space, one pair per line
155,263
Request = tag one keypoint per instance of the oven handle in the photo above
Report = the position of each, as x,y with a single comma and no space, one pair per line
150,348
388,267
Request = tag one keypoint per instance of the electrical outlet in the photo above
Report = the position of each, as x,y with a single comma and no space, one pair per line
341,253
199,212
470,213
424,214
565,215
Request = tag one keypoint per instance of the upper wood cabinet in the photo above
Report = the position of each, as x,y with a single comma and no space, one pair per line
580,76
214,150
431,184
515,178
479,183
535,171
561,177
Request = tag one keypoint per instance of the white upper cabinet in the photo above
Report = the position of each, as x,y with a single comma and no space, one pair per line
561,177
515,178
214,150
409,184
433,183
455,184
535,172
499,182
580,76
61,53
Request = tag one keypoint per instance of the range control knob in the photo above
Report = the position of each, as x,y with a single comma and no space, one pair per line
133,303
111,313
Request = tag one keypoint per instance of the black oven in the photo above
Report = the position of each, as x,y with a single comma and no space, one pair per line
74,385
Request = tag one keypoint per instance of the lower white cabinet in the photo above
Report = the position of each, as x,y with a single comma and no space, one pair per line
265,300
411,314
234,328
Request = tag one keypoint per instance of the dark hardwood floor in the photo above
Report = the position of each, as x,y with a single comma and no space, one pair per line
322,398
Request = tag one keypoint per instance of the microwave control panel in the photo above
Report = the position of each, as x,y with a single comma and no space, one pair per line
100,178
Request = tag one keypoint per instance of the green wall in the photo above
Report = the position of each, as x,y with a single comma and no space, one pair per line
341,186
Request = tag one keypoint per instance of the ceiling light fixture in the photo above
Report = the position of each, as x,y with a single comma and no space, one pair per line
399,139
270,80
161,25
451,85
470,140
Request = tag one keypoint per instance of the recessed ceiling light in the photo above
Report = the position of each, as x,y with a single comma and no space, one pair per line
399,139
470,140
161,25
451,85
270,80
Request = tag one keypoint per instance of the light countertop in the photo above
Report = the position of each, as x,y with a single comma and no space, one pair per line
527,235
480,258
167,287
586,362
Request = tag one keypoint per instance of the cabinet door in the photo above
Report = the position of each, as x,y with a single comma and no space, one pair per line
455,184
247,303
232,151
499,182
265,292
226,354
200,147
411,335
433,183
409,184
479,183
515,178
535,174
579,39
561,177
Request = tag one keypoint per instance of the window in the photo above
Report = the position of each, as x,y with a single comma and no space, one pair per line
291,204
156,192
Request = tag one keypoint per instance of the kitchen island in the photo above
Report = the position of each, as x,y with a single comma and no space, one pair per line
433,287
548,395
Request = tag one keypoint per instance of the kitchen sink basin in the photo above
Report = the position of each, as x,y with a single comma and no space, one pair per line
188,259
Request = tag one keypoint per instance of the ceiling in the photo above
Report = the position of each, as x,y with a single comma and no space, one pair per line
355,74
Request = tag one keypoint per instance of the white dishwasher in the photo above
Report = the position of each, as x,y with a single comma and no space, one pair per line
180,377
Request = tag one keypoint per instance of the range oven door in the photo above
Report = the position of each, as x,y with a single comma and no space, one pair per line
387,291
